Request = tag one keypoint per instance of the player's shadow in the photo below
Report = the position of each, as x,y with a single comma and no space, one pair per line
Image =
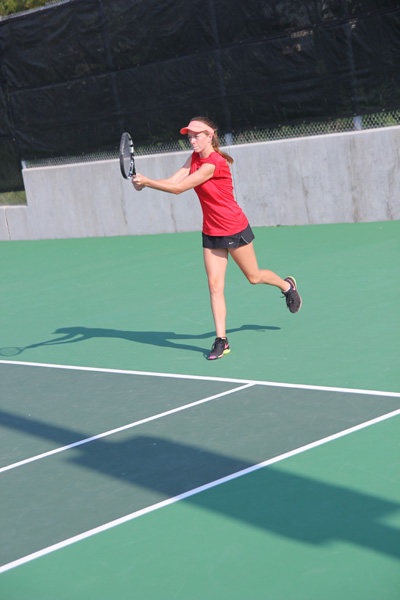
165,339
148,469
289,505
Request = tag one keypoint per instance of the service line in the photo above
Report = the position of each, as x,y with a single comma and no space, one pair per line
184,496
99,436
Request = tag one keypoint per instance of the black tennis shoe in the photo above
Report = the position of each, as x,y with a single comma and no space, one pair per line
292,296
219,348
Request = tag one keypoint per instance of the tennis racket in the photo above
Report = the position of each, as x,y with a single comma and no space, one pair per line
127,156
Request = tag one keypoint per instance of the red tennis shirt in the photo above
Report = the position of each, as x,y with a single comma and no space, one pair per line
221,213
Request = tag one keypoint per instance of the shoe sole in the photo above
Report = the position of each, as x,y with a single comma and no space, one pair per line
221,355
295,286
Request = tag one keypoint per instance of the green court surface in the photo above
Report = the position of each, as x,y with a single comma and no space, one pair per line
131,467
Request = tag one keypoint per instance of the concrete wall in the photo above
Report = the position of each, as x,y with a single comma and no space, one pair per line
350,177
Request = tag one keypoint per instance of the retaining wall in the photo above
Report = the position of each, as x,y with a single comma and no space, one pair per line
338,178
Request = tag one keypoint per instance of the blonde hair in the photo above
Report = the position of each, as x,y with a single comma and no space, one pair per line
215,140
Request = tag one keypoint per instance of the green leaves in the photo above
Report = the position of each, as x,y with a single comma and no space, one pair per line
9,7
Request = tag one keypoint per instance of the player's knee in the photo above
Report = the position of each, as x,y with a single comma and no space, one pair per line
253,278
216,286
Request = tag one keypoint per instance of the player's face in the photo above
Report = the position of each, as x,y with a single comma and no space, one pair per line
200,141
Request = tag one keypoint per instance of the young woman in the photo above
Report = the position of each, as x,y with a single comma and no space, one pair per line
226,230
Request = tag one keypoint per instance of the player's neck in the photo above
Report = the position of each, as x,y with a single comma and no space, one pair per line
206,152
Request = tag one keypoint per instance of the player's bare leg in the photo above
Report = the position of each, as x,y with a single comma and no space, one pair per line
245,258
215,262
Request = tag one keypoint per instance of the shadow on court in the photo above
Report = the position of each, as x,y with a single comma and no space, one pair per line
288,505
166,339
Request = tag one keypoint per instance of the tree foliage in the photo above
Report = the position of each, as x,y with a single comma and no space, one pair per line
10,7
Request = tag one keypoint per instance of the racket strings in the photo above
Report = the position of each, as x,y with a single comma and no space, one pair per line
127,156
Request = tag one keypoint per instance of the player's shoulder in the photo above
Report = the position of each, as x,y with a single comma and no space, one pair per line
216,158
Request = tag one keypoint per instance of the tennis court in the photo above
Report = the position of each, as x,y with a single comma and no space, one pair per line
131,467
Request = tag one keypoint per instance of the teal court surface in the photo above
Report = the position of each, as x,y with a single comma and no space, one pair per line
131,467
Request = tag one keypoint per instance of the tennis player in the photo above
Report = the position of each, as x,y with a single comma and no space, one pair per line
226,230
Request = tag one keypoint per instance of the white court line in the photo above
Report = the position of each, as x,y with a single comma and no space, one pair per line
122,428
297,386
149,509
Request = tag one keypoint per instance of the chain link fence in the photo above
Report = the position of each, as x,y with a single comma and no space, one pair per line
358,123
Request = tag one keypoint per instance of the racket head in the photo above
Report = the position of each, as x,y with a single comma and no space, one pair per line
127,156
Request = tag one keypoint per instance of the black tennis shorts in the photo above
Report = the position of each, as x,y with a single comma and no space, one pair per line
229,241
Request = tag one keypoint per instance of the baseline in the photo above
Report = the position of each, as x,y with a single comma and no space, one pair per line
298,386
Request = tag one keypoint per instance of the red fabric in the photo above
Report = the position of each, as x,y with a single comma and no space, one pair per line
221,213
